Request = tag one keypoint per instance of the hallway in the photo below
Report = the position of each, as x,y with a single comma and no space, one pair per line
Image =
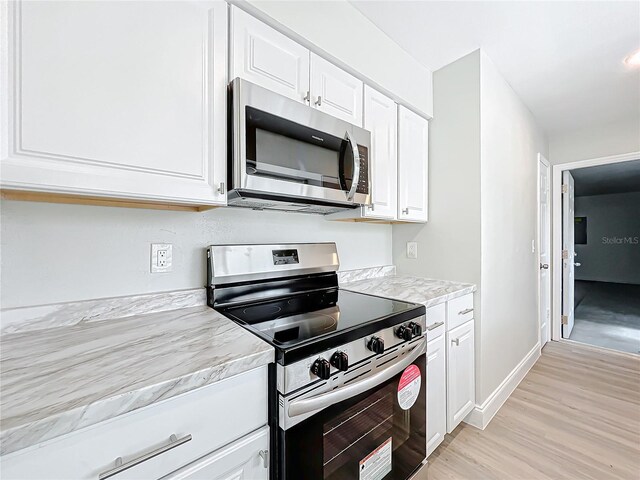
576,415
607,315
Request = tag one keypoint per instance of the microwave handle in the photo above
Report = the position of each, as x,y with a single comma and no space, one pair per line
318,402
356,166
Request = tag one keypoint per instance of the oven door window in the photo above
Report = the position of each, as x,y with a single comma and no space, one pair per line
280,149
361,436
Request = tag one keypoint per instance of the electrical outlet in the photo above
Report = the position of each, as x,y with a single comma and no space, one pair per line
412,249
161,257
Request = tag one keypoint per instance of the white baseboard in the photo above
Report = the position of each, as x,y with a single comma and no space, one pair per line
481,415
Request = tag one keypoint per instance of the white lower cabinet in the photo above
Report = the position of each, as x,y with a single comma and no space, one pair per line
245,459
216,432
436,393
460,373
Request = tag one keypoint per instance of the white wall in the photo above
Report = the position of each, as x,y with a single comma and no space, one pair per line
604,140
482,210
510,143
354,42
612,252
449,244
57,253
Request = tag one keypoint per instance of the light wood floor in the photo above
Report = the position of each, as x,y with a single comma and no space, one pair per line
576,415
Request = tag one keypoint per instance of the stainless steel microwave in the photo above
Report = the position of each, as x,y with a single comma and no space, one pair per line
285,155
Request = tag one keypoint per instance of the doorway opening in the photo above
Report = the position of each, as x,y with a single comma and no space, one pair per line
600,257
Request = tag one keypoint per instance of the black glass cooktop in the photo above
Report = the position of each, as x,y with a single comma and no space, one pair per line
310,322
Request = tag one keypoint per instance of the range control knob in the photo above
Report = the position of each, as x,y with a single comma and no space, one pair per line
321,369
376,345
416,328
340,360
404,332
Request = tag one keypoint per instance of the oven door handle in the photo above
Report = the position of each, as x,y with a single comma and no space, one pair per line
356,166
324,400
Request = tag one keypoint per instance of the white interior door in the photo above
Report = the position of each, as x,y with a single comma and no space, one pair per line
544,249
568,253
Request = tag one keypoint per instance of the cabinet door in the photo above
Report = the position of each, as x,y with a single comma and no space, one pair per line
436,393
335,91
245,459
460,374
413,162
116,99
268,58
381,119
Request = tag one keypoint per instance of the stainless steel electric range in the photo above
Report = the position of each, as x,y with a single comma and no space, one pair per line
347,391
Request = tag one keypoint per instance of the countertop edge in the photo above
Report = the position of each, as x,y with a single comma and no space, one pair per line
47,429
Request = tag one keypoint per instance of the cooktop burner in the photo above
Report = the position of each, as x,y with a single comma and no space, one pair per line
289,296
312,316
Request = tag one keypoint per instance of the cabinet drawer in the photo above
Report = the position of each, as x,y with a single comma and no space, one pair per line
203,420
459,311
246,458
435,321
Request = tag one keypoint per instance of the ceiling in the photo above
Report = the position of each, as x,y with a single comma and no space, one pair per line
620,177
564,59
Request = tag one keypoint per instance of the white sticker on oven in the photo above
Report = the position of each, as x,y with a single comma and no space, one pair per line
409,387
377,464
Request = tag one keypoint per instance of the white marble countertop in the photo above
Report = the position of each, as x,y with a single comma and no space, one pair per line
57,380
426,291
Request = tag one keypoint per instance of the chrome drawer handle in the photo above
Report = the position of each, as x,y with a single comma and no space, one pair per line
434,326
465,311
456,341
121,467
319,101
405,211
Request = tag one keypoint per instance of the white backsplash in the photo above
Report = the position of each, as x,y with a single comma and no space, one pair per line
54,253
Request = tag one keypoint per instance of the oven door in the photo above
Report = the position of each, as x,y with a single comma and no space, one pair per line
283,147
377,434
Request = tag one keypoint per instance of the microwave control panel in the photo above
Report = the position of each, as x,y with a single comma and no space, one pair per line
363,180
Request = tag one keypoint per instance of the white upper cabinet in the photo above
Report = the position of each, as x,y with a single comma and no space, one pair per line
115,99
335,91
268,58
380,118
413,154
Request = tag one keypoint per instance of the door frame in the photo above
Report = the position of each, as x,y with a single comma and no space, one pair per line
556,230
542,159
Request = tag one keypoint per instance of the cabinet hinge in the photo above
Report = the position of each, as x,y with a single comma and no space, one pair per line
565,320
565,188
565,254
